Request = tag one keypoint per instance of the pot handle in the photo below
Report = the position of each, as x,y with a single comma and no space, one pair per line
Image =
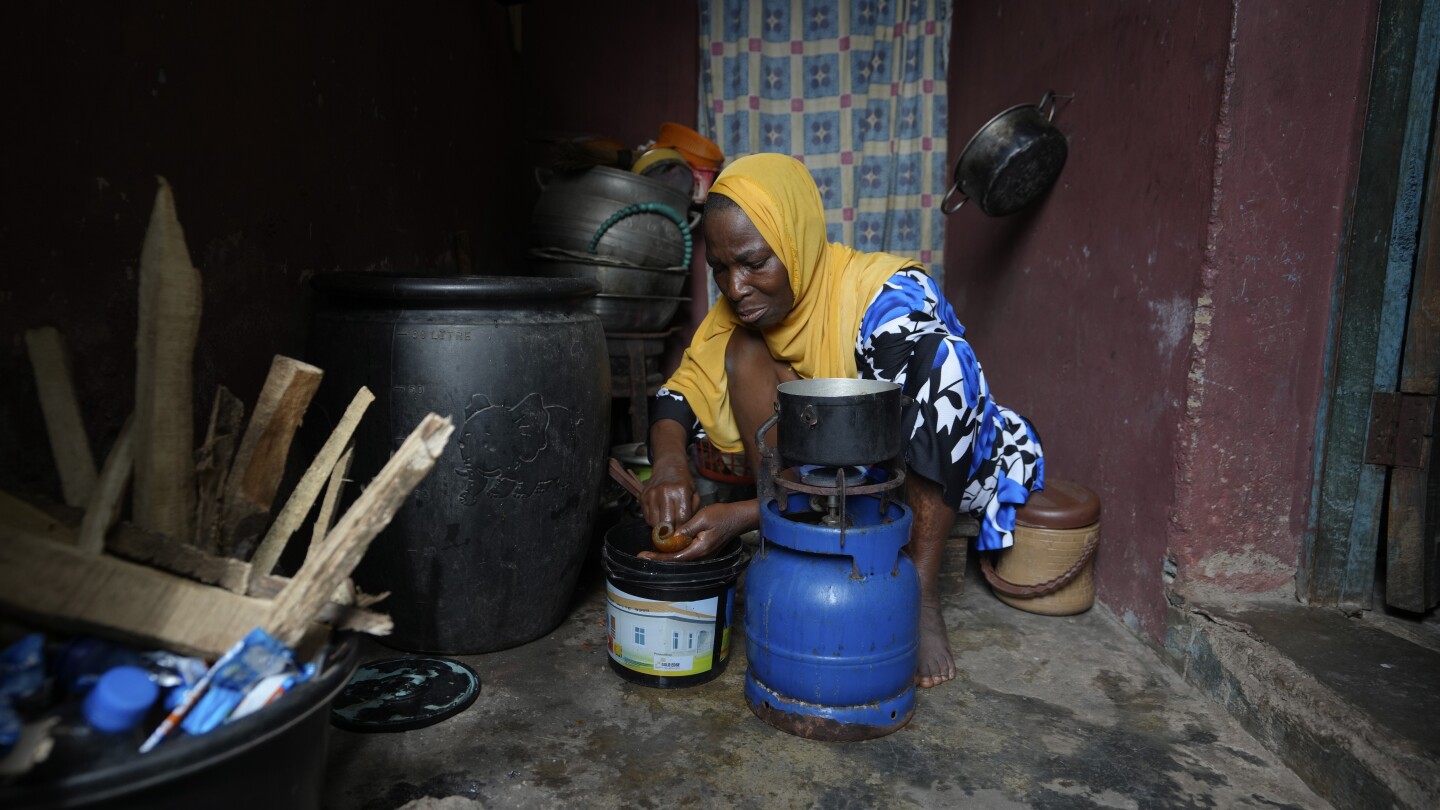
808,416
648,208
945,203
769,465
765,428
1050,98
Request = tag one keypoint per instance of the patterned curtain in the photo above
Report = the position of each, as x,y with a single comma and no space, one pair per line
856,90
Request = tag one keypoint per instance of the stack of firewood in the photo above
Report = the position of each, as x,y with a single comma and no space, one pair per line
191,570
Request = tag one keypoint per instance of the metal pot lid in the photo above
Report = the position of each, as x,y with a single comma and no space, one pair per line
452,289
623,177
836,387
618,297
555,254
634,453
402,694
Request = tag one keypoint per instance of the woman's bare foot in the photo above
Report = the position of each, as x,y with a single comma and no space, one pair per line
934,664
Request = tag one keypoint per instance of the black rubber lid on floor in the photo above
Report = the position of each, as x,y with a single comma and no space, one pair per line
401,694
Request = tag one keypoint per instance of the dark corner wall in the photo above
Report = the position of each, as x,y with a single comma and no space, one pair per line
1163,313
300,138
615,70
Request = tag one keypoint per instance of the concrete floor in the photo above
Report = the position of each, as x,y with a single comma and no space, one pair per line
1388,678
1350,702
1046,712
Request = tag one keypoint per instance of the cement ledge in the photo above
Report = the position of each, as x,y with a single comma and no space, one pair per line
1335,748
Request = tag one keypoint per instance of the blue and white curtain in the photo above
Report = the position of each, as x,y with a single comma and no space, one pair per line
856,90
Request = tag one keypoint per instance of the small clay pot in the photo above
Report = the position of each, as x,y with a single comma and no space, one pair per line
668,541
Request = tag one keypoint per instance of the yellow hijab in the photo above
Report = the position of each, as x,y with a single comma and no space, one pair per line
832,283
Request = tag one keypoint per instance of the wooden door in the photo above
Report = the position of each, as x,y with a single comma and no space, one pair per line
1412,519
1384,342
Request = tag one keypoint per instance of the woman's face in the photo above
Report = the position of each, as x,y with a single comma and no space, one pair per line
746,270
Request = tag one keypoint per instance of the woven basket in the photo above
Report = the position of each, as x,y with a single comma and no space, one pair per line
712,463
1041,555
1050,569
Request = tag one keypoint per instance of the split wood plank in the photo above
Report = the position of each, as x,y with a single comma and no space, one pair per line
64,588
333,492
20,515
345,593
260,460
137,545
55,384
133,543
103,509
331,563
304,495
349,613
212,465
54,524
128,541
141,545
355,619
169,323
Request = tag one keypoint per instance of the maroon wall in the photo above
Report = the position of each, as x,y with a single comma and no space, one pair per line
299,138
1162,313
1293,125
611,70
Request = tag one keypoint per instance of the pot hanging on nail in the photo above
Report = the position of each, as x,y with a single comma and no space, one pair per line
1010,161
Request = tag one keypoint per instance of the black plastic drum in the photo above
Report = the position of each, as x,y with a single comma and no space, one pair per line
485,553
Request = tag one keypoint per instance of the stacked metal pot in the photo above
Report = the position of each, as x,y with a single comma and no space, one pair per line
629,233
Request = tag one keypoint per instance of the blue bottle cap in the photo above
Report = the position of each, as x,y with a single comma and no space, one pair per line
120,699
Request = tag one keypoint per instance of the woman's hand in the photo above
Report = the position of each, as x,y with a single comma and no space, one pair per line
670,494
715,525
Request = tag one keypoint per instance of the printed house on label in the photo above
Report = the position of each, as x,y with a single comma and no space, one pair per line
672,638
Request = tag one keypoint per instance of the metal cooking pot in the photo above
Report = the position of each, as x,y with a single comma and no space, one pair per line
630,314
838,422
572,207
615,277
1010,161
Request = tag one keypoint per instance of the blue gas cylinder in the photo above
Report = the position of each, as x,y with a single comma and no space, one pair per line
832,621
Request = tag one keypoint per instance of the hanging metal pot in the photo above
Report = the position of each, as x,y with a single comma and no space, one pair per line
1010,161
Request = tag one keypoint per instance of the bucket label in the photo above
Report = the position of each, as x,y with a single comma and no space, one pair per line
655,637
674,663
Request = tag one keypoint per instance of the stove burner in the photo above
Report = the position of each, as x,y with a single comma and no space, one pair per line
830,476
829,488
820,514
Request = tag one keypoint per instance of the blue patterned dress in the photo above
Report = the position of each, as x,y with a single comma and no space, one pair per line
987,457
